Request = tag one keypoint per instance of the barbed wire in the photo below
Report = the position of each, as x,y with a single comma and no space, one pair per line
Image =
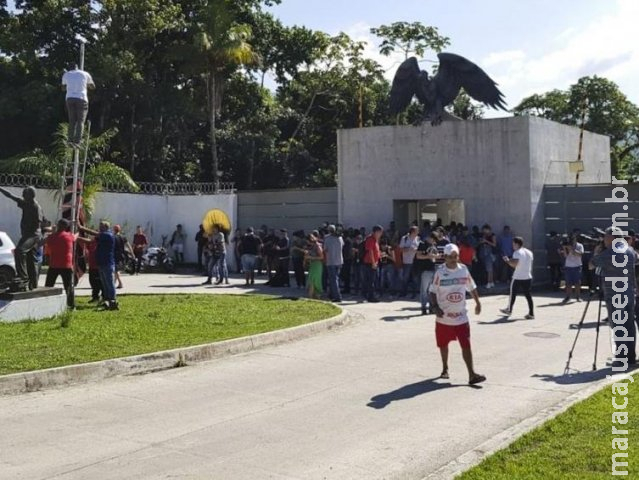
151,188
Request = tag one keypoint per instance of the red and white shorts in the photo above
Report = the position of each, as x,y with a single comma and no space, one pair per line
449,333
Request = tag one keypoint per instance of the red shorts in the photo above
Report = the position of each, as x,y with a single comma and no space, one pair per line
449,333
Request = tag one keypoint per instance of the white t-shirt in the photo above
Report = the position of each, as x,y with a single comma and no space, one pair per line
413,245
573,260
523,270
77,82
450,287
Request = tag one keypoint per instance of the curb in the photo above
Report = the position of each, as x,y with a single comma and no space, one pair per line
503,439
25,382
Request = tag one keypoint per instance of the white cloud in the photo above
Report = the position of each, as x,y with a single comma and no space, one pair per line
608,47
361,32
505,56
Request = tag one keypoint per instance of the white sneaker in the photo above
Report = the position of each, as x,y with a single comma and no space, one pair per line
490,285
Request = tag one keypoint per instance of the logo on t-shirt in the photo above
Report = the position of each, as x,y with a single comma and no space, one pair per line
448,282
454,297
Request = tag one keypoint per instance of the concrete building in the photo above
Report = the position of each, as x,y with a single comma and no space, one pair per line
474,172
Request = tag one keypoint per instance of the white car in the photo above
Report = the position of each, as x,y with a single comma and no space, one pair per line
7,262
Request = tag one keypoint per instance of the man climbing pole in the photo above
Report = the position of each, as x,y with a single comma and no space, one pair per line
77,81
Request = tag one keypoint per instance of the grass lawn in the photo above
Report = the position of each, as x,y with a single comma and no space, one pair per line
148,323
575,445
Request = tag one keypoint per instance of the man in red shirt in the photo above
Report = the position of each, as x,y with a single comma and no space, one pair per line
60,246
372,256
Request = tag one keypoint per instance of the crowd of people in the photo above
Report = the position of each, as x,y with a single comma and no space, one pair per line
337,258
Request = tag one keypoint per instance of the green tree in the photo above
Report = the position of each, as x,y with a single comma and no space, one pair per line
607,111
465,108
409,38
322,100
282,50
49,167
223,45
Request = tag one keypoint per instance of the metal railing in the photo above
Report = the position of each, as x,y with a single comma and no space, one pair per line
150,188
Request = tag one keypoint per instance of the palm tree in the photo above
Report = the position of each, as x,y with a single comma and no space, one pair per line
48,169
222,45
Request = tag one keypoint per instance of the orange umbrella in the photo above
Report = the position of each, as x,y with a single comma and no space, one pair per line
216,217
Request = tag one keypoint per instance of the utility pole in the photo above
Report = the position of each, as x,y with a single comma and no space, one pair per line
76,165
578,165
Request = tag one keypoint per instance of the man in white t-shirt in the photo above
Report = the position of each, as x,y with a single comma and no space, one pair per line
448,300
77,82
409,244
522,262
573,253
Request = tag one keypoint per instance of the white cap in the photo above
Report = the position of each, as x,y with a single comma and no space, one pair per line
450,249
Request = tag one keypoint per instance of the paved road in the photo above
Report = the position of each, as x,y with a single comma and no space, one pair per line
363,402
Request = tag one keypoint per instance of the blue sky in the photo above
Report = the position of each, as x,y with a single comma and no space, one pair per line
527,46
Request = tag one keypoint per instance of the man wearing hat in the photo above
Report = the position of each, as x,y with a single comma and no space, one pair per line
617,262
448,301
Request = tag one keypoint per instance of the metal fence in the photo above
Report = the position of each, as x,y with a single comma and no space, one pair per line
584,207
151,188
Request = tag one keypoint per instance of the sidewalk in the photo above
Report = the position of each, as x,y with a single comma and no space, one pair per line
359,403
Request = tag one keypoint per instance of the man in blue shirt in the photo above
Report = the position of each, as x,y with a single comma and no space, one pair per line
105,258
616,261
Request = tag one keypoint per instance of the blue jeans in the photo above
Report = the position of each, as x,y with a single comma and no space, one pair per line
223,270
369,275
426,280
387,278
406,277
356,276
108,285
333,282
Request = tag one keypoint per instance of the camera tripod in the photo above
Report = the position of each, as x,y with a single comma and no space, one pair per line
599,292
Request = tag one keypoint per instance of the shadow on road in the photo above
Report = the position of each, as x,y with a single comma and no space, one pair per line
500,321
585,325
575,378
409,391
394,318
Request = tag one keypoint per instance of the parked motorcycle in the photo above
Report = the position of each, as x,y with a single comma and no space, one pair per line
157,258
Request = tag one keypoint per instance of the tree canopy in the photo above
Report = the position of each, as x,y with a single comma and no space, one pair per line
189,88
182,84
603,108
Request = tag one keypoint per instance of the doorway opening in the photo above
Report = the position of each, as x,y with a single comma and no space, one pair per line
448,210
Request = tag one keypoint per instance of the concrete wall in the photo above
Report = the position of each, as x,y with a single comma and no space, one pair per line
290,209
157,214
498,167
552,146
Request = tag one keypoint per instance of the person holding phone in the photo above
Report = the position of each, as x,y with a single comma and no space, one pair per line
522,262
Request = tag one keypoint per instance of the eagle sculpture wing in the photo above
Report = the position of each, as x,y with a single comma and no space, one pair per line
405,85
456,72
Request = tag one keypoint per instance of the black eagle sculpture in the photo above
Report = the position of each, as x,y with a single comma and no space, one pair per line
435,93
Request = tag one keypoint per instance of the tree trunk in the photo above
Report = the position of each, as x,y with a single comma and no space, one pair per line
133,139
251,167
212,130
